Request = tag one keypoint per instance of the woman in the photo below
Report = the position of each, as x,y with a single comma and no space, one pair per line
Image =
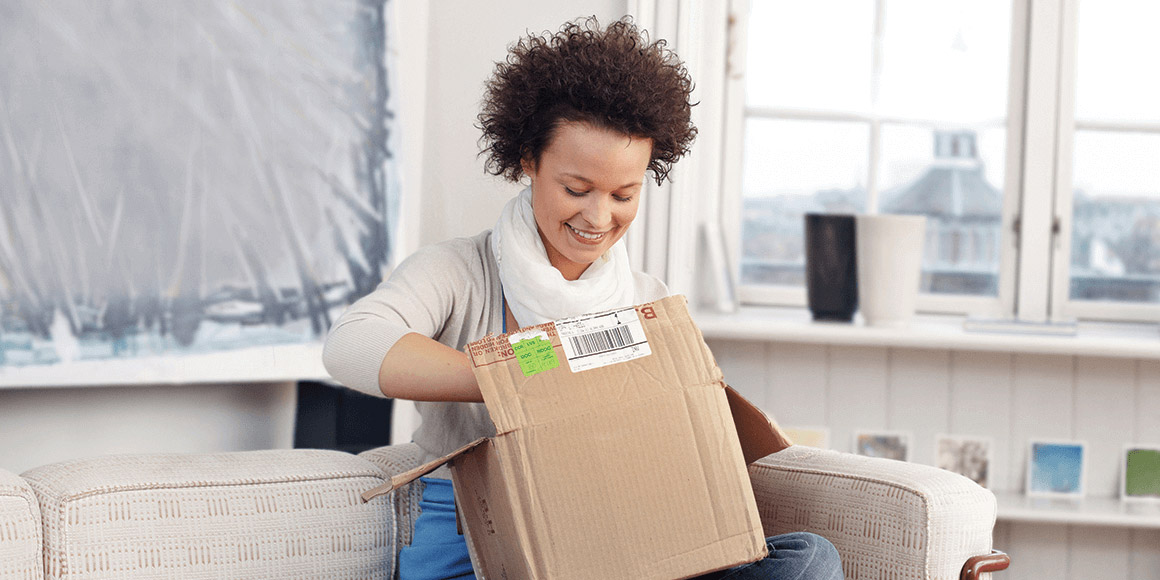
582,114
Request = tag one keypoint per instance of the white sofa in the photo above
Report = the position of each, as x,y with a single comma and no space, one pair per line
298,514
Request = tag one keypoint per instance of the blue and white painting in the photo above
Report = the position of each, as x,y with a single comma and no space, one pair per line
180,178
1056,469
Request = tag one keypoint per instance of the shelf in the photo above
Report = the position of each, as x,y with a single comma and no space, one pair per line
1092,511
262,364
944,332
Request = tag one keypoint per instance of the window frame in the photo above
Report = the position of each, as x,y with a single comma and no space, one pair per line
1063,305
1002,304
1035,226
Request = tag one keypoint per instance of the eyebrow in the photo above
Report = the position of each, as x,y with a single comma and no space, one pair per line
589,181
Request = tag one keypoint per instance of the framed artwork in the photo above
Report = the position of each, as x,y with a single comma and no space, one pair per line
965,455
1056,469
1140,473
191,191
818,437
887,444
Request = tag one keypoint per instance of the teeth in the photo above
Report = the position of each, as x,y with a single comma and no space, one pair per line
585,235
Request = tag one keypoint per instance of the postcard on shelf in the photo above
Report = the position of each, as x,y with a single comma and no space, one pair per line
1140,473
965,455
1056,469
887,444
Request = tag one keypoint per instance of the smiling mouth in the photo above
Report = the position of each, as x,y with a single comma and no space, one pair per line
585,235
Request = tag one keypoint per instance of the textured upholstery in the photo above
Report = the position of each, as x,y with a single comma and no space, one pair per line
298,514
20,535
256,514
393,460
889,519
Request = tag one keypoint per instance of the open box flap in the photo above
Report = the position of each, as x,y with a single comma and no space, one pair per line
406,477
758,434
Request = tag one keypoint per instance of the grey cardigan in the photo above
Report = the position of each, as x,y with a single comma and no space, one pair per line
449,292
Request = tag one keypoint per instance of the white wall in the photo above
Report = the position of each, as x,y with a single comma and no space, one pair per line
1010,398
465,40
45,425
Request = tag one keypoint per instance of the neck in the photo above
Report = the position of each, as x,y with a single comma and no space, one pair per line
569,269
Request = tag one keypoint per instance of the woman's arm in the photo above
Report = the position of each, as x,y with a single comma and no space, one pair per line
382,345
421,369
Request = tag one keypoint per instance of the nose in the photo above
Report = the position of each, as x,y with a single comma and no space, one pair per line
598,212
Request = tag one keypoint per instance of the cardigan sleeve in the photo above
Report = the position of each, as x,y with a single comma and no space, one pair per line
417,297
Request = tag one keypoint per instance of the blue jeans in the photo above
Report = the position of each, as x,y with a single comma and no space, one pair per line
438,552
793,556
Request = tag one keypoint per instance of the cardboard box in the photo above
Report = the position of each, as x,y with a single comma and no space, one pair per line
620,452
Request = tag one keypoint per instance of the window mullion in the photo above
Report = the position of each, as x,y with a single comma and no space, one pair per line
1009,239
1039,168
1061,258
872,166
875,123
733,155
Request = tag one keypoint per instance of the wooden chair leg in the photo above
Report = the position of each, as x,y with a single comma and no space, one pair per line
978,565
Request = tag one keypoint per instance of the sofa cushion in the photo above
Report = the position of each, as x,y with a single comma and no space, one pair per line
20,535
254,514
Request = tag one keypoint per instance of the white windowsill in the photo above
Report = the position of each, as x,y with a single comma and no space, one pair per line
263,364
1091,511
943,332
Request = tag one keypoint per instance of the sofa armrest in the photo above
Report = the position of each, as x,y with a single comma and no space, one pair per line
393,460
888,519
250,514
20,533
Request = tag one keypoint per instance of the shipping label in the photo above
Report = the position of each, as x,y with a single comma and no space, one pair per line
597,340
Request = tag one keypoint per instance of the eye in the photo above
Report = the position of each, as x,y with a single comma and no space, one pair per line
622,198
573,193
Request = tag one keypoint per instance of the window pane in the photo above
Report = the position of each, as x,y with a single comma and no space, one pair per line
801,55
1115,241
794,167
1118,45
955,179
945,60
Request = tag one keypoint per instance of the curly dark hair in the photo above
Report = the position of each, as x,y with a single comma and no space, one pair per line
611,78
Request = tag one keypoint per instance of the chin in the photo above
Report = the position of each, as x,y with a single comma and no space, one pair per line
589,255
584,259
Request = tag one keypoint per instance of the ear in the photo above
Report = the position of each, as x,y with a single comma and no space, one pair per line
528,166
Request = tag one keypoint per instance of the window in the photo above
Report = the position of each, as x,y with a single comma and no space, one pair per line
1036,163
1113,185
897,107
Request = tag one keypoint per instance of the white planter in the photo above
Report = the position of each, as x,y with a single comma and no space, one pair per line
889,250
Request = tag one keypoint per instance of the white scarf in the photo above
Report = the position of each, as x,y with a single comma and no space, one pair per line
536,291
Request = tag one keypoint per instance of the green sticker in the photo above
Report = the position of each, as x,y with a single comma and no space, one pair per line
535,355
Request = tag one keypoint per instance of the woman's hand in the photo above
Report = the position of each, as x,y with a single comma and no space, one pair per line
421,369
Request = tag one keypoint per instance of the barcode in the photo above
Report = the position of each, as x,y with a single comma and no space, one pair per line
602,341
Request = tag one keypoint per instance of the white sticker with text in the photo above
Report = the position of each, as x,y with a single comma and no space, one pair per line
597,340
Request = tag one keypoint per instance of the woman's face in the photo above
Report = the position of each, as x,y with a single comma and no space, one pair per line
585,192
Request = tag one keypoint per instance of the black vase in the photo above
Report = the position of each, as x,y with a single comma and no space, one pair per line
831,267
